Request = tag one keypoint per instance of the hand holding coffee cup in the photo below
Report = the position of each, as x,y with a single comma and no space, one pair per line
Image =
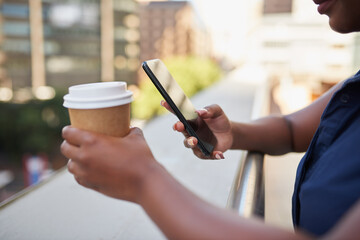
104,108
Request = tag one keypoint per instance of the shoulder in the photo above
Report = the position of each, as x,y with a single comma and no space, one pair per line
355,79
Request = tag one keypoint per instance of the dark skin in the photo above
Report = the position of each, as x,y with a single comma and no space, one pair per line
125,168
136,176
274,135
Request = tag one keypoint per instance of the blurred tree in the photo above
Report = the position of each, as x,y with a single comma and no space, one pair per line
192,74
33,127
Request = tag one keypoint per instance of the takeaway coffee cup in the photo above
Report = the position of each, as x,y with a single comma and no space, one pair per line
102,107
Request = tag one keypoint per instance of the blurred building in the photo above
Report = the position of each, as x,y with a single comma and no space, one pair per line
15,44
296,42
171,28
61,43
277,6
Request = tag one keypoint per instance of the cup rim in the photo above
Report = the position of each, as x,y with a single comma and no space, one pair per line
76,100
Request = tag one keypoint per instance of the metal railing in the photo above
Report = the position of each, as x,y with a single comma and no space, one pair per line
247,192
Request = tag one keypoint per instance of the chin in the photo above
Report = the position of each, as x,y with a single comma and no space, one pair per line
340,30
343,28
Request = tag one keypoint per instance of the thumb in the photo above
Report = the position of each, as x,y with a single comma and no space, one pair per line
212,111
135,131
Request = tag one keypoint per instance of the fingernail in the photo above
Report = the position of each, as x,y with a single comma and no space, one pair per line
202,111
162,102
190,142
219,156
64,129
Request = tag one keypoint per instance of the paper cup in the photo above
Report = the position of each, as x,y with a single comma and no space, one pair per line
102,107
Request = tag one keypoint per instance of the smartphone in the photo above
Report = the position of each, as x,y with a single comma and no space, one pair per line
180,104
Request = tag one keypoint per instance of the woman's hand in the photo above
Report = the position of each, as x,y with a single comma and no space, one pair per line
218,123
116,167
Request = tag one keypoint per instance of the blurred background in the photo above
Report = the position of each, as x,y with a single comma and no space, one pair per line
48,45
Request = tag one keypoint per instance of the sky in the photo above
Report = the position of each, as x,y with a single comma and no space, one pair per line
228,21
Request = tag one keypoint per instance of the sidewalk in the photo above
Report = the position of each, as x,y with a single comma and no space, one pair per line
209,179
61,209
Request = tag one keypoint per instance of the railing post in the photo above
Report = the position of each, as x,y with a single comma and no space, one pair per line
247,192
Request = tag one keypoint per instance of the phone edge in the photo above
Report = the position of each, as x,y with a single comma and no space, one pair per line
177,112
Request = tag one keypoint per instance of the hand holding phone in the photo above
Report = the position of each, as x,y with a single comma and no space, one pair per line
180,105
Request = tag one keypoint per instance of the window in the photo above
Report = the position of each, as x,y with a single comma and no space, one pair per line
16,46
15,10
16,28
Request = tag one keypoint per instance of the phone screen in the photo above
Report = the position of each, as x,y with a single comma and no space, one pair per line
180,104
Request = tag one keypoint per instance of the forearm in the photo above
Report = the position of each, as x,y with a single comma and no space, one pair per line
271,135
276,135
182,215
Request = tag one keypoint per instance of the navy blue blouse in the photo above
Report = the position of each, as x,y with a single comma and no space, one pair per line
328,177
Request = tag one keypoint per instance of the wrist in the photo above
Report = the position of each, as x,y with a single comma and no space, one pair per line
240,136
147,182
234,135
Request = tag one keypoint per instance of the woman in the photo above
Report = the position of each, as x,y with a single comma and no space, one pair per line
328,178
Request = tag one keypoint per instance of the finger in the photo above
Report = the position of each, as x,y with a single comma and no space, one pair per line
217,155
86,184
179,126
213,156
75,168
212,111
135,131
70,166
73,135
80,181
190,142
79,175
166,105
69,150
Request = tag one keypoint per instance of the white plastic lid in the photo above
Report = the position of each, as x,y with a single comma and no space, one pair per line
97,95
